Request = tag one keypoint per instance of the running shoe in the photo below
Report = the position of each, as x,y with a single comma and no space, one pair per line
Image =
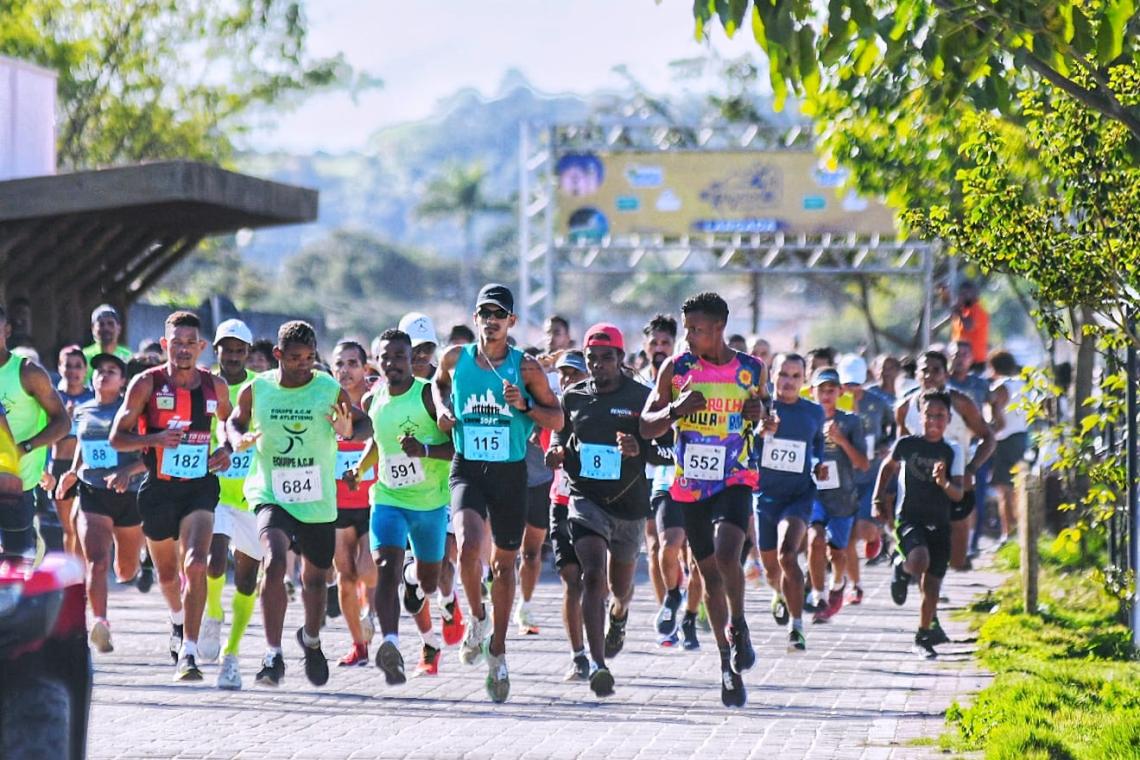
525,620
615,635
389,660
413,598
689,632
668,642
732,692
101,636
145,579
452,618
498,681
229,676
780,610
873,548
667,620
579,669
831,609
488,579
175,644
743,656
272,671
810,604
367,626
797,644
924,645
210,639
332,602
291,589
602,682
753,573
900,580
937,635
472,647
855,595
187,669
429,661
356,657
316,666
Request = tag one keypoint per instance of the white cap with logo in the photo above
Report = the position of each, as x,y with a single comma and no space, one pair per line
419,328
852,370
233,328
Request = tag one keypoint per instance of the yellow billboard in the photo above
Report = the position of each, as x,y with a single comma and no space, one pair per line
704,192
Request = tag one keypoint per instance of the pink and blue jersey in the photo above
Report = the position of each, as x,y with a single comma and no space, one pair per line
714,446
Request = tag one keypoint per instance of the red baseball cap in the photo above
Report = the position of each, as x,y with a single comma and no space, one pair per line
604,334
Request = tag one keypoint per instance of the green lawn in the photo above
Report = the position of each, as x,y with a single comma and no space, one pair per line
1065,683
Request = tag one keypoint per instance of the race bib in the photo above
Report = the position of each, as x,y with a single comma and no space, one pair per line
783,455
295,485
600,462
99,454
486,443
185,461
239,465
703,462
403,471
830,479
349,460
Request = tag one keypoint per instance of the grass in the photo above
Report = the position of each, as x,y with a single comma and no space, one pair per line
1065,684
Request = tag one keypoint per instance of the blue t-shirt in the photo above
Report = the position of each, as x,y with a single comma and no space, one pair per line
786,459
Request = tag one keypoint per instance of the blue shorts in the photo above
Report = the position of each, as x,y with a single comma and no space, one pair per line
770,513
838,529
866,508
427,529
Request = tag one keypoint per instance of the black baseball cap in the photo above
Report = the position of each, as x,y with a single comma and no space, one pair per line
99,359
825,375
498,295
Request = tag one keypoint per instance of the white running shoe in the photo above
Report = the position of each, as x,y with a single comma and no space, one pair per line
498,681
101,637
210,639
229,677
367,627
525,620
471,648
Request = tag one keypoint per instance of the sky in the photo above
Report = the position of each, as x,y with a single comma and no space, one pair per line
425,51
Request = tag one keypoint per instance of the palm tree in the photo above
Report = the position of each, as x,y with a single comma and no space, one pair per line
457,193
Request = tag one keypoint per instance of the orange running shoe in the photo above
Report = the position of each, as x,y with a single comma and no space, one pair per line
429,661
452,618
356,657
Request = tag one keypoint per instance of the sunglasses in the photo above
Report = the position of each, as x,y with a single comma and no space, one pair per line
485,313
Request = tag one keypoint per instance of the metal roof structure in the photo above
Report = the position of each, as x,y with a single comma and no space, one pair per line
69,242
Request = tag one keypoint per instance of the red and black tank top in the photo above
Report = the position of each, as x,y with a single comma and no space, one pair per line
192,408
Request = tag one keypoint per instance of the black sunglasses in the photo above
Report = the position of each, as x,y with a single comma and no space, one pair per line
486,313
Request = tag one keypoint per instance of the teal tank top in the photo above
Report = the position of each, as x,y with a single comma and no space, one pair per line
489,429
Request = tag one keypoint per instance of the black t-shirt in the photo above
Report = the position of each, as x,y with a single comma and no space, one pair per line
589,435
921,500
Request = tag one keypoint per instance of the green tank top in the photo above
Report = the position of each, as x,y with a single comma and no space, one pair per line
407,482
489,429
25,417
231,481
294,462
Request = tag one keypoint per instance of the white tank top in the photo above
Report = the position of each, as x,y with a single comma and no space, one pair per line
1015,418
957,430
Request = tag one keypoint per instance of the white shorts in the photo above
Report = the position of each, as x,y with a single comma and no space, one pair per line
241,527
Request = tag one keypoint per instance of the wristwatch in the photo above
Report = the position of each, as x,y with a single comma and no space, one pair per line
526,409
27,447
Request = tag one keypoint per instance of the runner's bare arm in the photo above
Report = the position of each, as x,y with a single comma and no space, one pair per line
123,430
37,384
222,392
361,422
437,450
237,425
887,473
441,389
900,418
656,417
546,410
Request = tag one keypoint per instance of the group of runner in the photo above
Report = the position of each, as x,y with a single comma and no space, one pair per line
393,470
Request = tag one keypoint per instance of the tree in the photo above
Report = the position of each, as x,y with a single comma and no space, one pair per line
457,193
983,52
156,79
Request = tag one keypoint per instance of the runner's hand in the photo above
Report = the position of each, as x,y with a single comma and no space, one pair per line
446,421
351,478
411,446
340,418
219,460
247,440
66,481
689,401
939,473
834,433
628,445
513,396
555,457
47,481
118,480
165,439
753,410
880,510
772,424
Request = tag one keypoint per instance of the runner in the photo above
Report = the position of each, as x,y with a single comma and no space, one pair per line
1011,426
106,329
410,500
168,414
713,396
108,485
961,356
73,389
791,449
837,501
604,457
235,526
571,368
538,483
355,568
291,417
492,396
931,481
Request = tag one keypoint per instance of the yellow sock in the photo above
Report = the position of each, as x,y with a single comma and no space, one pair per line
214,588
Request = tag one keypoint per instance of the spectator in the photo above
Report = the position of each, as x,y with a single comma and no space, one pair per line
969,322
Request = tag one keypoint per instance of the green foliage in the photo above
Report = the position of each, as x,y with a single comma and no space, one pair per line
981,53
156,79
215,267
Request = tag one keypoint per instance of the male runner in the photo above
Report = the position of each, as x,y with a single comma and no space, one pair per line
604,456
74,390
411,498
930,483
837,500
713,396
491,395
291,418
106,329
961,356
168,416
791,448
235,526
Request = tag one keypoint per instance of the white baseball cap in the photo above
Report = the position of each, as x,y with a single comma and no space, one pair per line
852,370
233,328
419,328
